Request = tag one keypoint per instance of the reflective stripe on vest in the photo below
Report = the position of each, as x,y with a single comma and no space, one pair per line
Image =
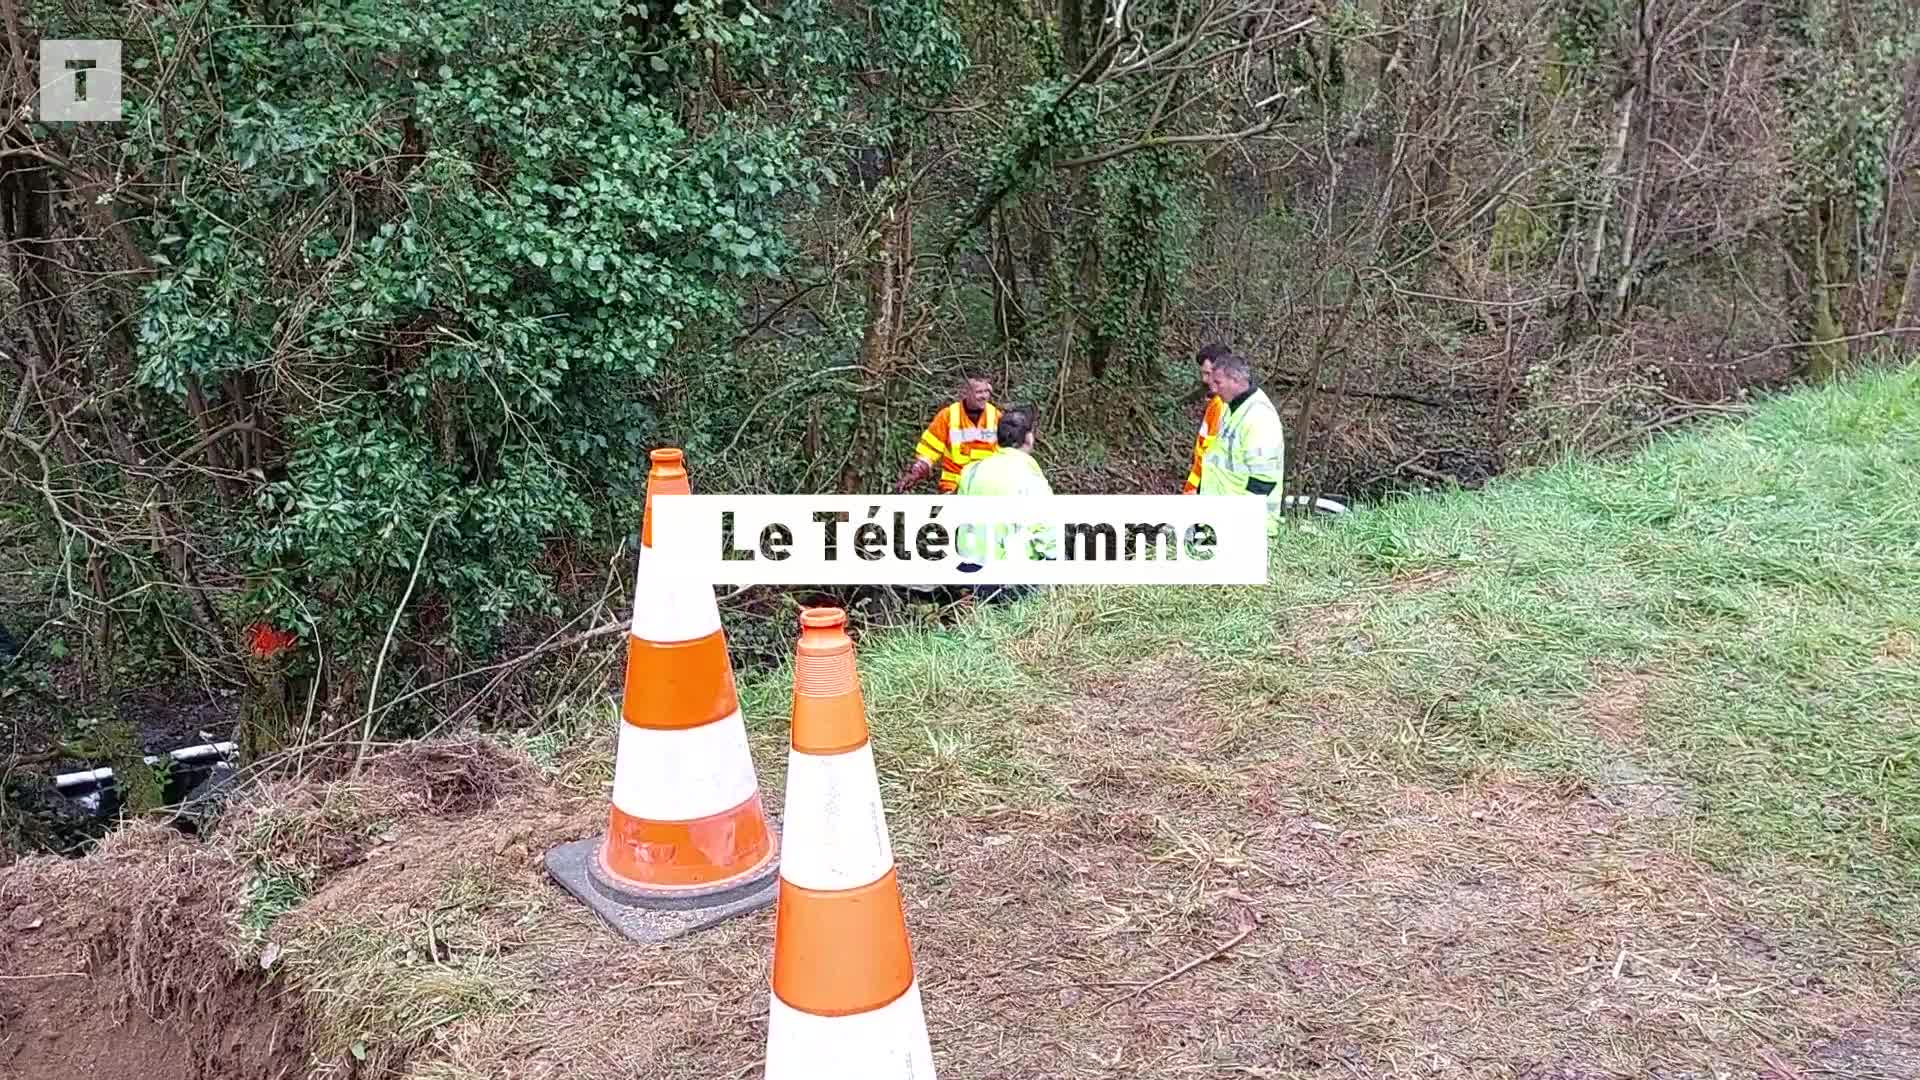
1210,425
967,442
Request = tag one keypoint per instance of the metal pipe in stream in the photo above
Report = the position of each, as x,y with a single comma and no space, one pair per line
1328,506
185,754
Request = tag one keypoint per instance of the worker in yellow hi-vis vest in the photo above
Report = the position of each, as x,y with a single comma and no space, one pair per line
962,433
1210,423
1009,470
1249,457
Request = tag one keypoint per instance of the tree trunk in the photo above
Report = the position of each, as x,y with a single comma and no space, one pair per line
1589,269
888,260
1826,354
1009,317
1072,34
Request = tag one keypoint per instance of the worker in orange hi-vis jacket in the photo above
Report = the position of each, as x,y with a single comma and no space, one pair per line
962,433
1211,423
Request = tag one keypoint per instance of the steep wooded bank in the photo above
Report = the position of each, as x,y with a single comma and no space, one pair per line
360,323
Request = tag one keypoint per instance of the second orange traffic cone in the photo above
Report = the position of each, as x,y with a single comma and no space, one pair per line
845,1002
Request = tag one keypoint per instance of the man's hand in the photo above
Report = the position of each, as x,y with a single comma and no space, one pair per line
914,474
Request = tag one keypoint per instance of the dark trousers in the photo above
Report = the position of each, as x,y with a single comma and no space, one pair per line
995,594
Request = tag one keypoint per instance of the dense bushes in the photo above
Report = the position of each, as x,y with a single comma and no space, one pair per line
505,232
398,269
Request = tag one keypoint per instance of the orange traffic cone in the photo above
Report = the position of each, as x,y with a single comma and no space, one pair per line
687,842
845,1002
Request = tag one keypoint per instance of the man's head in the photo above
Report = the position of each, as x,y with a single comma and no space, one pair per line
1016,428
975,391
1229,376
1206,356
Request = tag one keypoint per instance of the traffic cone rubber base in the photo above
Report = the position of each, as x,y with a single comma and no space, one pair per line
649,918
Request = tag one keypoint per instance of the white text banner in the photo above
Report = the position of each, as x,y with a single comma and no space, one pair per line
739,540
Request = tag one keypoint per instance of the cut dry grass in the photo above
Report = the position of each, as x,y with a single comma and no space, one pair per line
1499,928
376,991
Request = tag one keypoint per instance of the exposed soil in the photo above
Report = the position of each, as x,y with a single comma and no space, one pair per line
116,967
129,963
1873,1053
172,718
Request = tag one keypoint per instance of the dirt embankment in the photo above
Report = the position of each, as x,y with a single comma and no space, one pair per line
154,958
118,967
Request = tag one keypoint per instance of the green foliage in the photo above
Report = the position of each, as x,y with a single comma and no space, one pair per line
271,892
1144,212
1584,35
436,246
1046,126
917,40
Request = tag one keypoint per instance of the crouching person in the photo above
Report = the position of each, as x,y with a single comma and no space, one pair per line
1009,470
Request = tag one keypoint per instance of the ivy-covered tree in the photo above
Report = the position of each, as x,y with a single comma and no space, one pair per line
1853,83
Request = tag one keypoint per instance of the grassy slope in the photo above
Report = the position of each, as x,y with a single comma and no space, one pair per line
1730,620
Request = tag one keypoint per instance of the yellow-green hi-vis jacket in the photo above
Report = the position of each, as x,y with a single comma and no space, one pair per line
1008,471
1251,446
